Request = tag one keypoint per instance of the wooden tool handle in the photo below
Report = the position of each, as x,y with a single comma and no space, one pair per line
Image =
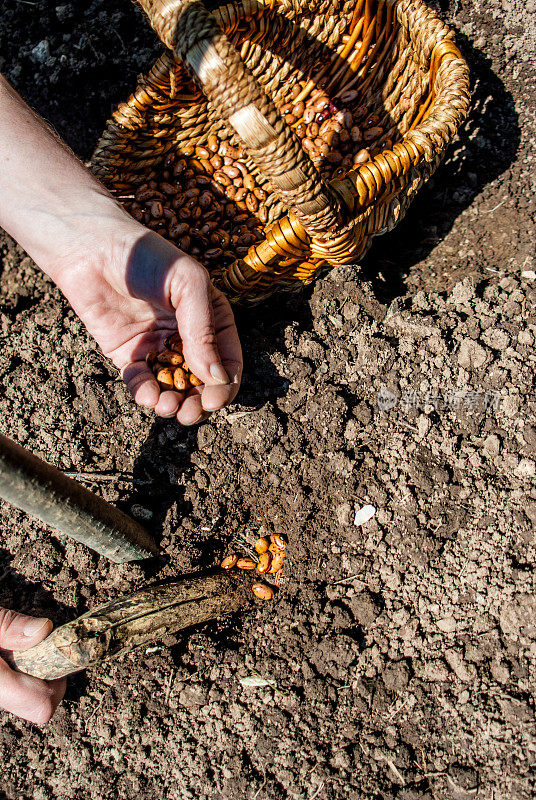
46,493
132,621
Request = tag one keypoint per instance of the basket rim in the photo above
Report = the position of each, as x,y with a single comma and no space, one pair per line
388,173
129,114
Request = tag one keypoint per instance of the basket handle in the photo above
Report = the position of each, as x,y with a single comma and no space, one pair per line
192,33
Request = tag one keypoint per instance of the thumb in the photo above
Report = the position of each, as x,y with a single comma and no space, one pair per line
196,325
19,631
195,321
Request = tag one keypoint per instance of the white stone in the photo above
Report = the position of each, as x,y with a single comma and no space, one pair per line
364,514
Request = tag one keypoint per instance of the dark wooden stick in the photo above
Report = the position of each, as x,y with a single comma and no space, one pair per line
131,621
46,493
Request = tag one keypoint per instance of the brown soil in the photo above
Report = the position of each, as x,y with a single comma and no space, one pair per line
403,652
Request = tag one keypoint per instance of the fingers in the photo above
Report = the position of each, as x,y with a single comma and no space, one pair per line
195,321
216,397
191,411
19,631
230,352
211,349
168,404
23,695
227,336
146,392
210,341
27,697
141,384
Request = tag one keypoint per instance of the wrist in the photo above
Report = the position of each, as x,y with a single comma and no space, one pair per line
49,202
116,251
80,234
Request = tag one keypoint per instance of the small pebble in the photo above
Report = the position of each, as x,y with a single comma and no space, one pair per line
364,514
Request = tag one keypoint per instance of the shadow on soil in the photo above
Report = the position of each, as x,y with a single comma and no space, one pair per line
166,453
486,146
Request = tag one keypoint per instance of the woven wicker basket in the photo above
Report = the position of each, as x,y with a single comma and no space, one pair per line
246,57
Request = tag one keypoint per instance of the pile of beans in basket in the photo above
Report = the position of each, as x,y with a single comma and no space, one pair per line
208,202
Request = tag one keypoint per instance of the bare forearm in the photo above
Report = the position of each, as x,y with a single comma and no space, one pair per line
49,202
130,287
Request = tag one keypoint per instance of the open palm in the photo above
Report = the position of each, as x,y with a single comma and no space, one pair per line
137,291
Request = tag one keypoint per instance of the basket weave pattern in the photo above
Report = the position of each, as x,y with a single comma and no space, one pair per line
396,53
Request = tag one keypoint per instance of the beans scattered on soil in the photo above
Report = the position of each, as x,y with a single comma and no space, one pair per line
271,553
262,545
265,561
262,591
245,563
277,562
229,562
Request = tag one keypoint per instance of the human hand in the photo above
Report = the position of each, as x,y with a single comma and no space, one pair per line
27,697
134,291
129,286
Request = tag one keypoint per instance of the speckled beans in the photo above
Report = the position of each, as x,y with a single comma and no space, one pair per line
262,545
271,555
262,591
331,131
189,194
207,202
245,563
265,562
169,368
